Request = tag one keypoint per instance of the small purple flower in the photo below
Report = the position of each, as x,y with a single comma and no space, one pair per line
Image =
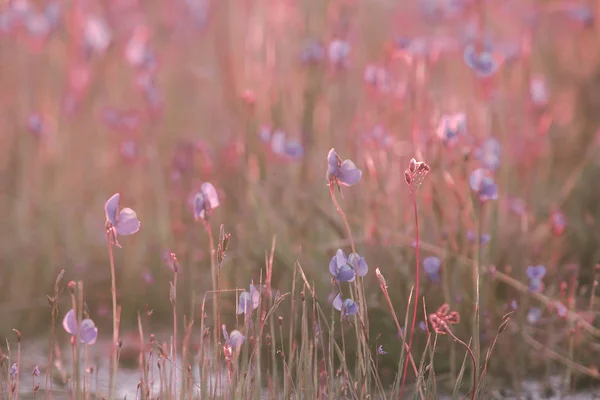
248,301
536,273
485,237
235,339
36,371
534,315
517,206
14,370
36,125
451,127
561,310
483,184
124,222
205,201
88,333
313,52
483,62
381,351
343,173
559,222
423,326
281,145
489,154
343,268
346,307
432,265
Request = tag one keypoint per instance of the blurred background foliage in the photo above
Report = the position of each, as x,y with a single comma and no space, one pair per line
151,98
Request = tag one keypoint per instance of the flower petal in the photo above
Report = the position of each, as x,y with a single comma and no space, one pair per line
346,273
70,322
340,258
236,339
363,268
337,302
128,223
111,208
333,265
254,297
88,332
350,307
210,194
333,163
349,173
244,303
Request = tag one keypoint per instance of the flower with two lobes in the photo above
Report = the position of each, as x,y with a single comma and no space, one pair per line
482,183
340,172
443,318
432,265
88,333
345,269
536,273
124,222
346,307
248,301
205,201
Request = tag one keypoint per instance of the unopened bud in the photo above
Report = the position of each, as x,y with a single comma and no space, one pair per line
280,319
71,286
380,278
407,177
412,165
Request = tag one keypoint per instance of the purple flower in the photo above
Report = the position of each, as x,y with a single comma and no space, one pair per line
381,351
343,268
36,371
313,52
431,265
517,206
14,370
451,127
534,315
483,184
88,333
124,222
489,154
36,125
346,307
343,173
485,237
205,201
559,222
483,62
423,326
561,310
281,145
536,273
248,301
235,339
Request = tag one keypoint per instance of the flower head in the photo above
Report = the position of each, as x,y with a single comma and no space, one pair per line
14,370
381,351
343,268
489,153
205,201
472,237
248,301
483,184
432,268
88,333
483,62
233,341
346,307
536,273
338,52
451,127
533,315
342,172
124,222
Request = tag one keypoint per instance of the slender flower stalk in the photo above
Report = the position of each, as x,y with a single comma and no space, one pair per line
413,176
114,365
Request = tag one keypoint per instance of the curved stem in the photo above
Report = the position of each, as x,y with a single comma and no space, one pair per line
417,279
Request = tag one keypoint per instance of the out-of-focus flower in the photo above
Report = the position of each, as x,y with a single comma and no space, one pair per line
538,91
483,62
14,370
432,265
451,127
248,301
472,237
483,184
559,222
205,201
96,34
88,333
338,52
381,351
489,153
533,315
313,52
536,273
234,340
343,173
346,307
280,144
343,268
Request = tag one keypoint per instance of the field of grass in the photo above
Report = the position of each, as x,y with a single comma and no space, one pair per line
457,253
